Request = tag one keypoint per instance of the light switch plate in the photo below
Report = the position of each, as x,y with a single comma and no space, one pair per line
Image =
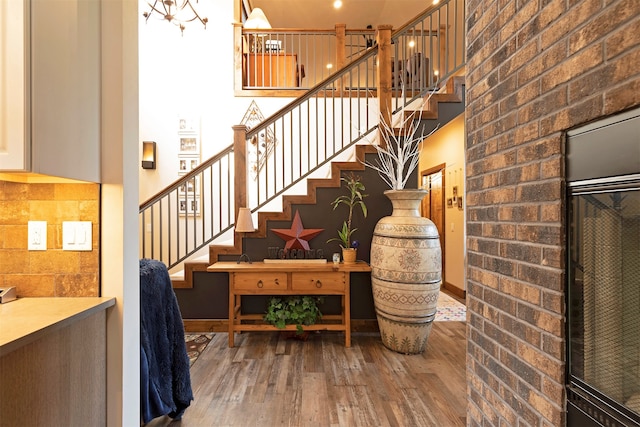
76,236
37,235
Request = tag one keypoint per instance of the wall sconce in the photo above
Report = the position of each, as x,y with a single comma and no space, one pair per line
244,224
148,155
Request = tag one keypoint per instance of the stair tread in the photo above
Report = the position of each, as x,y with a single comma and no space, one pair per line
452,92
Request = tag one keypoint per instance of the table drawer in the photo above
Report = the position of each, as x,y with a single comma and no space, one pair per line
318,281
258,281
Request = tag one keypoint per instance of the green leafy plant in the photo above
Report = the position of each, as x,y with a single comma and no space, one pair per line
354,197
293,310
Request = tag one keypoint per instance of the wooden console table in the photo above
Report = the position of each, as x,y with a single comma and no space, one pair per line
288,278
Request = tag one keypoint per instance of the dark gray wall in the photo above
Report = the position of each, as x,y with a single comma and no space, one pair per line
208,299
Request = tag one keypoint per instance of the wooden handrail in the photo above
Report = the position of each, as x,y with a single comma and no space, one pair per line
322,122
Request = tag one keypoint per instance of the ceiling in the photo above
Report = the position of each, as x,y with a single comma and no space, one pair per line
356,14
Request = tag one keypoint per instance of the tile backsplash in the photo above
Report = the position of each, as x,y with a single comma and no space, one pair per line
53,272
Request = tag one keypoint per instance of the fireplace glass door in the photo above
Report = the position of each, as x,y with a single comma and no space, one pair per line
604,302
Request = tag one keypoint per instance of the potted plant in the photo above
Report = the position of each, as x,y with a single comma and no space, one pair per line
296,310
354,198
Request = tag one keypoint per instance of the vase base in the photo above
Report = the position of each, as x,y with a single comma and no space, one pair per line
405,338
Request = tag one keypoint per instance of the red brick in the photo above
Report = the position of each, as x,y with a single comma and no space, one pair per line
522,291
622,97
499,231
523,331
551,168
519,213
575,65
551,212
549,322
623,38
568,22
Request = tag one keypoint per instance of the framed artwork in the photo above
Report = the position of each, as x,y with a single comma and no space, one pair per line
450,202
189,144
193,206
187,163
189,206
190,188
186,125
182,206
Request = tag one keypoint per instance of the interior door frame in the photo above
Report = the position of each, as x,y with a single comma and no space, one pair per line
430,171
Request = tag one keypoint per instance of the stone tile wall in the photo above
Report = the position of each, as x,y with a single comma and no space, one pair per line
53,272
535,68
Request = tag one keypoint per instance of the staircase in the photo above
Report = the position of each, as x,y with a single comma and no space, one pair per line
344,97
438,110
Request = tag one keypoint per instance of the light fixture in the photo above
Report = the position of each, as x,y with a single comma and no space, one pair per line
337,4
148,155
244,224
178,12
257,20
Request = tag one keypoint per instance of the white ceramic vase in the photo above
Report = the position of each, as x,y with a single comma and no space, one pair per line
406,273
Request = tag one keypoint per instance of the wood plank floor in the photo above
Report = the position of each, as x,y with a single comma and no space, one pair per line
268,380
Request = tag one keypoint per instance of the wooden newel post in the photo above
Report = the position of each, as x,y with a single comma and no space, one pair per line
383,37
341,55
239,168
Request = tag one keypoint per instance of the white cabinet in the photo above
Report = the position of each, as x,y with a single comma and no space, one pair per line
14,87
51,102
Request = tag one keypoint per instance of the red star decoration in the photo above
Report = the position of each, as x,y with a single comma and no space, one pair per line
297,237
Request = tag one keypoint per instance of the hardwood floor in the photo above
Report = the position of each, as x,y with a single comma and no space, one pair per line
267,380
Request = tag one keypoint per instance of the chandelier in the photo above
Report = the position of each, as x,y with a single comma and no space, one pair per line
178,12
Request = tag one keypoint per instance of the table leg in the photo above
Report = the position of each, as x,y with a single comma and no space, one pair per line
232,315
347,315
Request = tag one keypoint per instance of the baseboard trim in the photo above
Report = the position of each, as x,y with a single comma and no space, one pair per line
460,293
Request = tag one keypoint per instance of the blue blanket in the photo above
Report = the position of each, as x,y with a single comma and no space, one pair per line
165,382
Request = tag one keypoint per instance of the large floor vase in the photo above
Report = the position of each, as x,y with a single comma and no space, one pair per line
406,273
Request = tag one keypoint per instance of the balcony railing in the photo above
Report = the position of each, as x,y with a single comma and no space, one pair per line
338,108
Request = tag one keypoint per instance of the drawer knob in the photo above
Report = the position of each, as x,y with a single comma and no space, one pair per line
260,284
318,284
277,282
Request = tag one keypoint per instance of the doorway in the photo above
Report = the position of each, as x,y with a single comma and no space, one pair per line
432,207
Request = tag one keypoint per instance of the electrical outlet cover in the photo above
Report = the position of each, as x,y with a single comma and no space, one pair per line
37,235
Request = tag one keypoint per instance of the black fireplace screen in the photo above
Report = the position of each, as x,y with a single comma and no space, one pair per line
604,298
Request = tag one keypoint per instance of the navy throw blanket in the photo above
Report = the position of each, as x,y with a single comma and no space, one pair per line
165,382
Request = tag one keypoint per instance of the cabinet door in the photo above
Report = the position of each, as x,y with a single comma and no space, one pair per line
318,281
14,85
65,88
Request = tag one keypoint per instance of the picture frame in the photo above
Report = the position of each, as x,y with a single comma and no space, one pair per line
189,144
187,163
189,206
459,202
190,188
450,202
182,206
193,206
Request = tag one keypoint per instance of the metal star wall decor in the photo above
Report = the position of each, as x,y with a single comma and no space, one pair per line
297,237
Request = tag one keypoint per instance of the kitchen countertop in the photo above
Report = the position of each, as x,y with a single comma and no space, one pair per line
27,319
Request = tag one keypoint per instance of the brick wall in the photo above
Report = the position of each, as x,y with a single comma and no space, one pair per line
54,272
534,70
